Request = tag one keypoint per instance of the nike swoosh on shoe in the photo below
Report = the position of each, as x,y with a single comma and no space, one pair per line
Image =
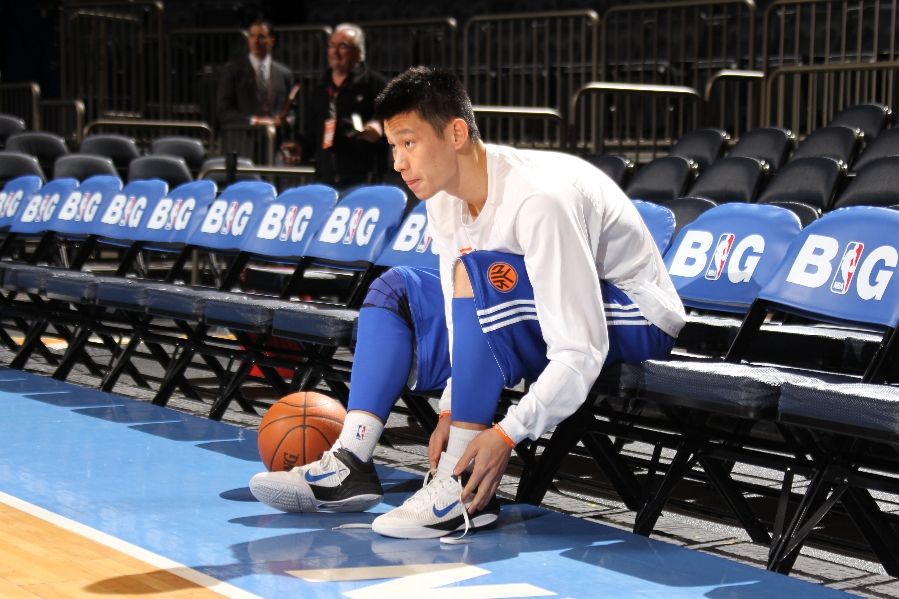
440,513
313,478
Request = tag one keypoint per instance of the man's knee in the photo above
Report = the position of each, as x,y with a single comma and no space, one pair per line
461,282
389,292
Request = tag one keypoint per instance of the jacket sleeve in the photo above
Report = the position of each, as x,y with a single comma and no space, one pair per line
226,104
562,270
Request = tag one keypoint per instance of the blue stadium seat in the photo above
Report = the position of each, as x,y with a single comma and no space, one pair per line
660,220
162,224
412,245
834,271
686,210
14,191
722,259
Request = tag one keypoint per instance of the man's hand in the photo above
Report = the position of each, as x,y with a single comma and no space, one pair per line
437,443
264,121
371,133
490,455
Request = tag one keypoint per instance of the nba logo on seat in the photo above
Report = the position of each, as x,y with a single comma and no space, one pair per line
228,223
848,263
719,257
424,244
173,215
354,224
288,223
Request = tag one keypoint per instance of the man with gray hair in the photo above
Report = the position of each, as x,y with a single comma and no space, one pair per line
340,134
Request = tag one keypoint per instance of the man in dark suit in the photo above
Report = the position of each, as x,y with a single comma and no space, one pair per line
253,90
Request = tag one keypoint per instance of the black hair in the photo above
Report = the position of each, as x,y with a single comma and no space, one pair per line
436,95
262,23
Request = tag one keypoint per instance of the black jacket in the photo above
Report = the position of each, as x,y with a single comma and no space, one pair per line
237,99
349,161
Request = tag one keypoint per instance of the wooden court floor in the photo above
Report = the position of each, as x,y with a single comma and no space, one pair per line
41,559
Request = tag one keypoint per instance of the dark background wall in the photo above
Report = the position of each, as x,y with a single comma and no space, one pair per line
29,30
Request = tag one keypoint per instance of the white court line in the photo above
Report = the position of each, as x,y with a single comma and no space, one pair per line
154,559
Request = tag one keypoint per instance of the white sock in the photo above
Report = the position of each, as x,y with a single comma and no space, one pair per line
459,438
360,433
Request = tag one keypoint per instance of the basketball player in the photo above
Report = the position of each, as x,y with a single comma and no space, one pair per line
546,273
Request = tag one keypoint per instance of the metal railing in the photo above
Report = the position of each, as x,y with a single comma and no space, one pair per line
732,92
64,118
526,126
282,177
684,42
677,43
394,46
808,32
256,142
631,119
145,131
803,98
305,51
112,57
22,100
193,58
534,60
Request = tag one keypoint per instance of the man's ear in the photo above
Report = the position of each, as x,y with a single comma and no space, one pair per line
459,131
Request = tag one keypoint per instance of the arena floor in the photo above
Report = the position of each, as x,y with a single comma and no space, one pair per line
556,544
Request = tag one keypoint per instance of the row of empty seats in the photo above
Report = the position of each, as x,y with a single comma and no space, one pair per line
762,167
174,159
740,258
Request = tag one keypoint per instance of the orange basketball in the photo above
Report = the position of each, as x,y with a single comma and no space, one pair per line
298,429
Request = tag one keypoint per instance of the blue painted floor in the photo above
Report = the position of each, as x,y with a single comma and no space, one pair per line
176,485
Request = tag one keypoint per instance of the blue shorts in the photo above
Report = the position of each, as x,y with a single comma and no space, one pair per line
508,316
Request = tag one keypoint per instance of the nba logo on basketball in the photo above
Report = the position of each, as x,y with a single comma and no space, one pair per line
719,257
360,432
848,263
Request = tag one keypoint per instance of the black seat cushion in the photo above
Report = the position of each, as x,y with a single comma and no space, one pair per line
868,408
321,325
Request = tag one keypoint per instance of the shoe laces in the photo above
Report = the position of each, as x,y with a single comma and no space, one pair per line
433,486
328,461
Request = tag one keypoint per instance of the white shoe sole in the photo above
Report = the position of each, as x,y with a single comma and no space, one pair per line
406,531
297,496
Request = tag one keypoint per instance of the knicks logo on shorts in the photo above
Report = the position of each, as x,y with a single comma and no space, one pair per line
502,276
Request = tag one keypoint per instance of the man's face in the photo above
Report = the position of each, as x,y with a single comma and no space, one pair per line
426,160
343,53
260,41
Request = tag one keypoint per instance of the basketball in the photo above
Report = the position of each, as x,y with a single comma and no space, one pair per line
298,429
